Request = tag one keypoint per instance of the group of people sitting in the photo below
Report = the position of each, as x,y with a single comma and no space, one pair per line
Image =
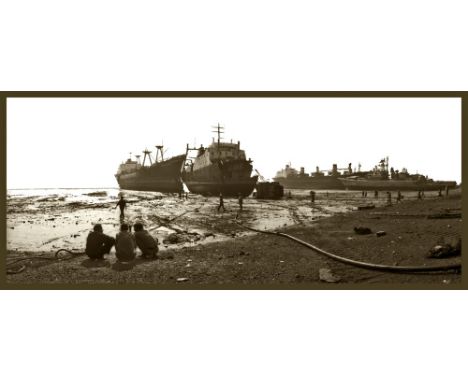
99,244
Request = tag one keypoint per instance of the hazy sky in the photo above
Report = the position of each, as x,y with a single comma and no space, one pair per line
79,142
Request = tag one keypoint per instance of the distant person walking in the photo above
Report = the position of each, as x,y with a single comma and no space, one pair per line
389,198
122,203
376,194
98,244
221,202
399,197
312,197
125,245
147,243
241,201
440,192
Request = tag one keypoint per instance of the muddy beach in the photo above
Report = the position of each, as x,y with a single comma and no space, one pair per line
199,246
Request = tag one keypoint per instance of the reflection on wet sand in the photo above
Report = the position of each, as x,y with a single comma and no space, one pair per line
61,219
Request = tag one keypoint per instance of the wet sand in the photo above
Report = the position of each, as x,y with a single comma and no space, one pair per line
213,249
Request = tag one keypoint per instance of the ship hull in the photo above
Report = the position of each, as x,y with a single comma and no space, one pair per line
230,179
160,177
310,183
233,188
395,185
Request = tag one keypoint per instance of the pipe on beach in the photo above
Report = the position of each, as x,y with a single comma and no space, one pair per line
13,269
362,264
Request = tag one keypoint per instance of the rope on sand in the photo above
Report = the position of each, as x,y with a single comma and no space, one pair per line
14,267
362,264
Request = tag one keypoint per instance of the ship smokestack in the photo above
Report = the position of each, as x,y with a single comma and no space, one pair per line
335,169
302,171
317,170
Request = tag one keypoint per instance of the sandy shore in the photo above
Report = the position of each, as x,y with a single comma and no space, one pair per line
214,250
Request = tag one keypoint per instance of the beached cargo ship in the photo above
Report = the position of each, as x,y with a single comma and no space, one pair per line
381,178
164,175
290,178
219,168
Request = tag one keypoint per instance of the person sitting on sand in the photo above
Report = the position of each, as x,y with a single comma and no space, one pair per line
125,245
98,244
147,244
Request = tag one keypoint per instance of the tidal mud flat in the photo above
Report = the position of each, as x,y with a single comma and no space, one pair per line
200,246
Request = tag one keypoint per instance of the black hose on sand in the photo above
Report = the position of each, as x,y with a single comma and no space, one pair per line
13,267
362,264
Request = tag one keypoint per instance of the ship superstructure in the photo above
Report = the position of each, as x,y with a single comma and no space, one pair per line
291,178
383,178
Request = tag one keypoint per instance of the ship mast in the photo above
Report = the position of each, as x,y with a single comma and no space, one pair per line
159,150
219,131
147,153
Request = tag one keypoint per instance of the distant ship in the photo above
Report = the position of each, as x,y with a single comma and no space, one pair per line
163,175
380,178
291,178
219,168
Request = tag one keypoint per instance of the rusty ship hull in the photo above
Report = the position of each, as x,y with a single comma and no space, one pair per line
164,176
395,184
310,182
230,179
220,168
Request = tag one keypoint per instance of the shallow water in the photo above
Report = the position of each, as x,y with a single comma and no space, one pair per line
49,219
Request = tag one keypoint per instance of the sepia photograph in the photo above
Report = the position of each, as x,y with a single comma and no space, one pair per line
241,192
233,191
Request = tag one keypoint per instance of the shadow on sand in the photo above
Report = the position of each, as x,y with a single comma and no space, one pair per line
127,266
89,263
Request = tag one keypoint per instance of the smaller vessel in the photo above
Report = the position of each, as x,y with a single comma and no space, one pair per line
163,175
221,167
380,178
290,178
269,190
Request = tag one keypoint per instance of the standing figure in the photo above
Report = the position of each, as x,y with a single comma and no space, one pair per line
98,244
389,198
147,243
399,197
419,195
241,200
125,245
221,202
312,196
121,204
440,192
376,194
